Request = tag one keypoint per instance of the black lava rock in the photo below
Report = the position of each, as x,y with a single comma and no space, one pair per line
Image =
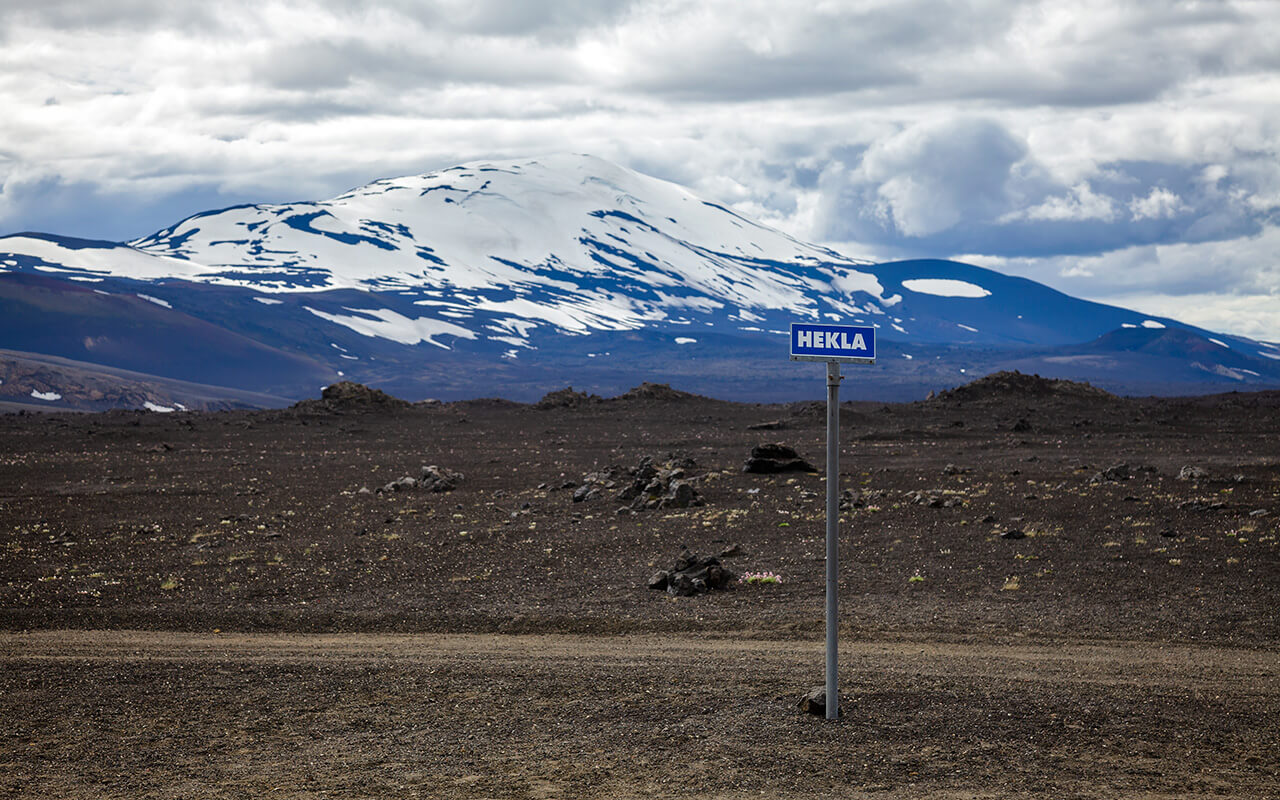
772,458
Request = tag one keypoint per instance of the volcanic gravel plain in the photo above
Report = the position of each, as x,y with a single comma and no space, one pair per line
1037,600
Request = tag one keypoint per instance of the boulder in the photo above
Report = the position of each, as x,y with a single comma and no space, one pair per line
775,457
1192,473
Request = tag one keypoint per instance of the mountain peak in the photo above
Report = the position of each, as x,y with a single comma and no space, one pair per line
572,263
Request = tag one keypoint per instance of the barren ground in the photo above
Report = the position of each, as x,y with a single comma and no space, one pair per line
203,605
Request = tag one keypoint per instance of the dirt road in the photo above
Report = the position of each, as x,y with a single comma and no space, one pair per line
162,714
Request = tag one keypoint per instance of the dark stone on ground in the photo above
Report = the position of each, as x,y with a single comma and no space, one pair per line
934,500
439,479
680,494
399,485
645,486
851,498
432,479
814,701
692,574
1201,505
775,457
1113,473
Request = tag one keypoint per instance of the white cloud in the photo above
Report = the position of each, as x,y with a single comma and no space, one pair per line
1080,203
1159,204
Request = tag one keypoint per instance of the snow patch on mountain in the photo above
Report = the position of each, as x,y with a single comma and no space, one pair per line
387,324
64,255
945,287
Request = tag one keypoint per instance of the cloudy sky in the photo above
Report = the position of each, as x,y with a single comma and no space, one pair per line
1122,151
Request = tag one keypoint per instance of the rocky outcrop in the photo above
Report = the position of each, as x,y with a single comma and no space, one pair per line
567,398
660,392
1015,384
350,396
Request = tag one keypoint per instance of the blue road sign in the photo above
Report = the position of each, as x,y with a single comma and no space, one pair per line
819,342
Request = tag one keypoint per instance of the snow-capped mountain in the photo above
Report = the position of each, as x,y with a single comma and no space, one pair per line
512,277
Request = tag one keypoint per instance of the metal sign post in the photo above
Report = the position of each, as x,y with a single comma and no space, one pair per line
833,344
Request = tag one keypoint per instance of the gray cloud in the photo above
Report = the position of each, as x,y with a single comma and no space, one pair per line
117,15
553,21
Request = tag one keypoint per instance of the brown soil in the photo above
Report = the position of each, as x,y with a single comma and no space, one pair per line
203,605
